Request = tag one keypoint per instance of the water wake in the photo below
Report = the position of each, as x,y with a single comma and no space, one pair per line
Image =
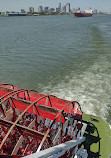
91,88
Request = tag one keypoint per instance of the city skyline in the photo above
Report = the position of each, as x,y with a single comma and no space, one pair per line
15,5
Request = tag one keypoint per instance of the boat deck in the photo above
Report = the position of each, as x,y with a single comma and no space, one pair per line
98,142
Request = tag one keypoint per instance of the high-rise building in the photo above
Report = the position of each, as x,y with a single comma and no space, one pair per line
57,10
46,9
67,7
59,6
31,9
63,9
40,9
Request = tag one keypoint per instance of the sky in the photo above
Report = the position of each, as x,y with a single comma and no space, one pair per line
17,5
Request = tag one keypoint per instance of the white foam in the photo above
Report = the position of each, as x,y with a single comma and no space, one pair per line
91,89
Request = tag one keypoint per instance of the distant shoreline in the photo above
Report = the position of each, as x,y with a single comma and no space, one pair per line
34,14
40,14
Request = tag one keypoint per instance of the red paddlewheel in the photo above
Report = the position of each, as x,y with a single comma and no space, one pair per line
30,121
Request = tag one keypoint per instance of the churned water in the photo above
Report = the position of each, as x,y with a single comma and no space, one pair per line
60,55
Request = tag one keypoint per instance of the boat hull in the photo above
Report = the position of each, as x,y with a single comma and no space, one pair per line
82,14
17,14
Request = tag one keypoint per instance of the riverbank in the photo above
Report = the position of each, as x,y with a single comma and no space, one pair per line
32,14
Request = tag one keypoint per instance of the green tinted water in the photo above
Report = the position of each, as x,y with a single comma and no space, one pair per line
60,55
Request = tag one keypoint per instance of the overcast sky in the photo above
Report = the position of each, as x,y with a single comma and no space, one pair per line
16,5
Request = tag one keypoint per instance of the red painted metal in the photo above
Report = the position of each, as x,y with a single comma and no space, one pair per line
30,121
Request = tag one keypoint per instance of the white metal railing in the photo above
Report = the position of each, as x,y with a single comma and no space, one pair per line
58,150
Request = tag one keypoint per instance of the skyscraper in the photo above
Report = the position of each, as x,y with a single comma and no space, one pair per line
67,7
46,9
59,6
63,9
40,9
31,10
58,10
